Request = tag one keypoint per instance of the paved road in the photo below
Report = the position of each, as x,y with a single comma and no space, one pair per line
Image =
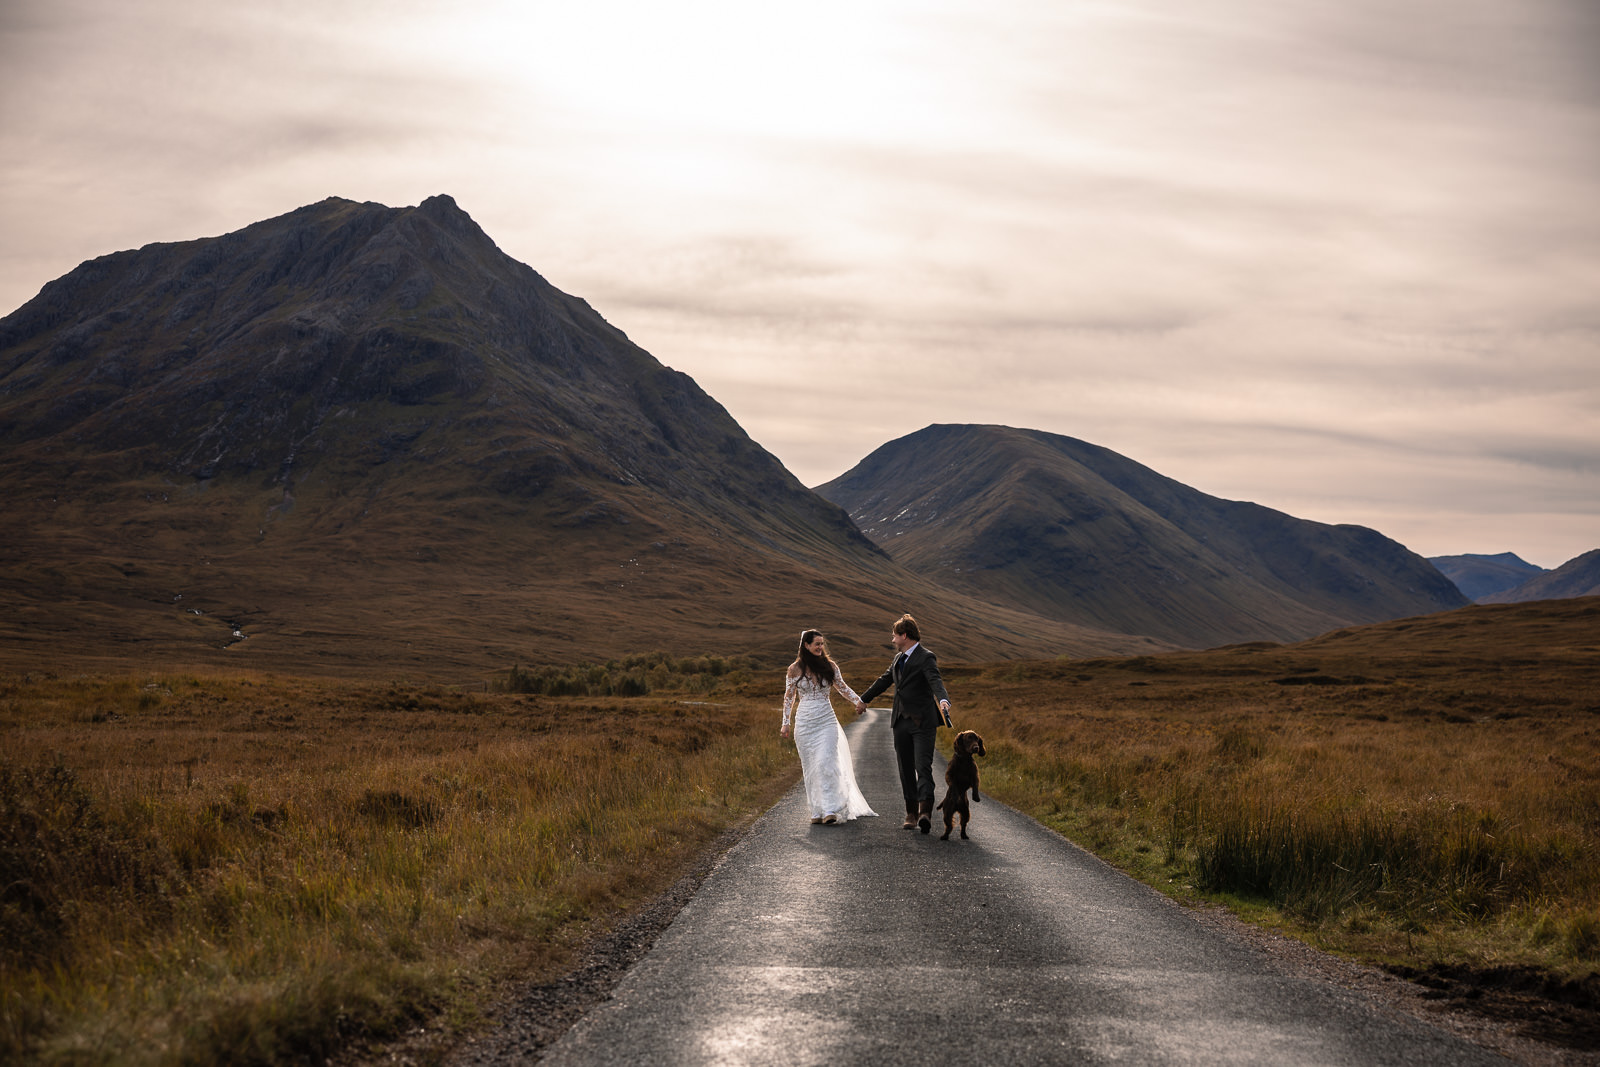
869,944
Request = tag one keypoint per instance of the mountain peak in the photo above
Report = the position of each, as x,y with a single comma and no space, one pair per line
247,349
1077,532
442,211
439,203
1579,576
1480,576
1510,559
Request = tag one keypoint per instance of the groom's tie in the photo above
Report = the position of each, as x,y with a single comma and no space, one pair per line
899,661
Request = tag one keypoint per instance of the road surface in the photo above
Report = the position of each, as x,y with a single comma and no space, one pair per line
870,944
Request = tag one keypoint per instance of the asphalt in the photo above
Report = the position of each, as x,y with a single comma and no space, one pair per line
869,944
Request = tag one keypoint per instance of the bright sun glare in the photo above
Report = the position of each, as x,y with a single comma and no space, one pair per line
715,67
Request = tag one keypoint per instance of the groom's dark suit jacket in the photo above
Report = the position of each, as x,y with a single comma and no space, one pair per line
918,689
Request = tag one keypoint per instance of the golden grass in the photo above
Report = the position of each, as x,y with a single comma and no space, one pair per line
1416,793
253,869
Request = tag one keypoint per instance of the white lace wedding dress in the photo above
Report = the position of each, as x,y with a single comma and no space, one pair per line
824,753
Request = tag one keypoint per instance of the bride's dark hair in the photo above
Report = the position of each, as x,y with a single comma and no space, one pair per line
819,667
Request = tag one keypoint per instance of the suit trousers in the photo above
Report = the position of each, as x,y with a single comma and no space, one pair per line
913,752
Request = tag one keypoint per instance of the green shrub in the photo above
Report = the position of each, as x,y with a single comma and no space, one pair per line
631,676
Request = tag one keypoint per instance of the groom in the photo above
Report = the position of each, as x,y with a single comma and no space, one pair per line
921,706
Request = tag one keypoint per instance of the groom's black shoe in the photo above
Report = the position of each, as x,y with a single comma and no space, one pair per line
925,816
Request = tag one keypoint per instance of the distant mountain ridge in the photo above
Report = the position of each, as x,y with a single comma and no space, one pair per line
1078,532
1478,576
1579,576
365,436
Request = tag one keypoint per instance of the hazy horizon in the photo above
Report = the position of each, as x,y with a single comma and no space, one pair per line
1337,259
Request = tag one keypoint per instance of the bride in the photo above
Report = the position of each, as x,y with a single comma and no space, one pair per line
831,789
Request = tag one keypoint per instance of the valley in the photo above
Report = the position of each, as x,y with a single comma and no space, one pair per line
379,626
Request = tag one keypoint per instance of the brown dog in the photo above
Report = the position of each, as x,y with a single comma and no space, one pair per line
960,776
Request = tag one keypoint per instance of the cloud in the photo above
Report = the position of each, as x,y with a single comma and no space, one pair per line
1328,256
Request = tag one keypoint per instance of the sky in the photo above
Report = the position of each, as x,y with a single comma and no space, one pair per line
1338,257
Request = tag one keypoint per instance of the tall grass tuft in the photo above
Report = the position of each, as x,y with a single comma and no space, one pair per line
60,857
1367,810
1321,860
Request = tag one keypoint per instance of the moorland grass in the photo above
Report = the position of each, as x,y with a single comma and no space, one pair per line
1416,798
257,870
219,868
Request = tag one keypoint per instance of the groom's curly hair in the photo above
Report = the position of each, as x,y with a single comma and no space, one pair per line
908,626
821,668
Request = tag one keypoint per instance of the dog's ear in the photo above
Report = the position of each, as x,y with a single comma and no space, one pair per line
978,743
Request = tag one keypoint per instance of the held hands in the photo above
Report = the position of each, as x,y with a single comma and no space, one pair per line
861,707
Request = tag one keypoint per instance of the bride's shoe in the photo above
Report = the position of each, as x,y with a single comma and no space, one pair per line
830,818
815,819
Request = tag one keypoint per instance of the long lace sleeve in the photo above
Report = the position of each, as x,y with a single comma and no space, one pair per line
791,693
844,690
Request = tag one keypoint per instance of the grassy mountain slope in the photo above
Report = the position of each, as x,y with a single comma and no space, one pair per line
1479,576
363,437
1085,535
1579,576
